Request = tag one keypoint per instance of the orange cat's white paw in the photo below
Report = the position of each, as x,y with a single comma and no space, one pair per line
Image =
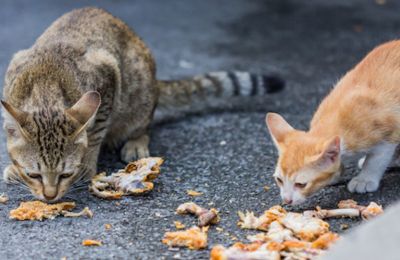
135,149
361,185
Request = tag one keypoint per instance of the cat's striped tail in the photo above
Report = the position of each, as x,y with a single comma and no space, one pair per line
216,85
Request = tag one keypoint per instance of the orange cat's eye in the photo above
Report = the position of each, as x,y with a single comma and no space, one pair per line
279,181
300,185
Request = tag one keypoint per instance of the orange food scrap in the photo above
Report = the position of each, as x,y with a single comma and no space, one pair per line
194,193
90,242
37,210
194,238
107,226
179,225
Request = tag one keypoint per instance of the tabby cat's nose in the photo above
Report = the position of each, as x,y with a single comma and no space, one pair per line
50,193
49,198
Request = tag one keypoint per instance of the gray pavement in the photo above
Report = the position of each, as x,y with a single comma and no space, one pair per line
310,43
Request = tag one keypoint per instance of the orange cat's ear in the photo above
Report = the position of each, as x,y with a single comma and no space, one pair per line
14,119
330,154
85,108
278,127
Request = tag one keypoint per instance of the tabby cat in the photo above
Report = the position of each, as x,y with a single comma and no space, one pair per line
89,80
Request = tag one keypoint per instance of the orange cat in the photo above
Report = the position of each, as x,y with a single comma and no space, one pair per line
360,115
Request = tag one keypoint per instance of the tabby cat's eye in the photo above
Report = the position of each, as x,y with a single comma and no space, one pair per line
66,175
279,180
34,175
300,185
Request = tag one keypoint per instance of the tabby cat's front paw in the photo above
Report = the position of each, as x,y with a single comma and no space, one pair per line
362,185
135,149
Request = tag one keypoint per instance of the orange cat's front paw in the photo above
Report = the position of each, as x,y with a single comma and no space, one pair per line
361,185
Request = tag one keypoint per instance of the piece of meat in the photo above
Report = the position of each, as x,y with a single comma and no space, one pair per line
37,210
240,251
86,212
305,227
134,179
332,213
249,221
194,238
276,232
367,212
347,208
205,216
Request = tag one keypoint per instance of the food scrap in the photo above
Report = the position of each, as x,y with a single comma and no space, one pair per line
289,235
249,221
243,251
86,212
193,238
179,225
205,216
194,193
347,208
107,226
37,210
134,179
3,198
90,242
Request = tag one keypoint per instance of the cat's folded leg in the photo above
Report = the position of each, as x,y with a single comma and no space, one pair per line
136,148
373,168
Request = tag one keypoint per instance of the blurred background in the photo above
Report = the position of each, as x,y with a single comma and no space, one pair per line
310,44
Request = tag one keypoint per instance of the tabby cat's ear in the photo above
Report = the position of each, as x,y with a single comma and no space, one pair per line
14,119
85,109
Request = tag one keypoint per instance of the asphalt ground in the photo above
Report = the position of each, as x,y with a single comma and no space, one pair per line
309,43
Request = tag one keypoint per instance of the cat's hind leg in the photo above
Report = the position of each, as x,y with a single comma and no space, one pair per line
373,168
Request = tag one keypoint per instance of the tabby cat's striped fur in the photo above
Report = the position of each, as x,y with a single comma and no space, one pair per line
87,81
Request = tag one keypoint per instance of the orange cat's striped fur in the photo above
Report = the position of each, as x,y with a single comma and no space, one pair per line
360,115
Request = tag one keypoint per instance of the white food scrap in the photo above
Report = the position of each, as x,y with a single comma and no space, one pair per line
134,179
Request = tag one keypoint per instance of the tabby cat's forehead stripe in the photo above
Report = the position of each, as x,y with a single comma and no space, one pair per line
51,135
